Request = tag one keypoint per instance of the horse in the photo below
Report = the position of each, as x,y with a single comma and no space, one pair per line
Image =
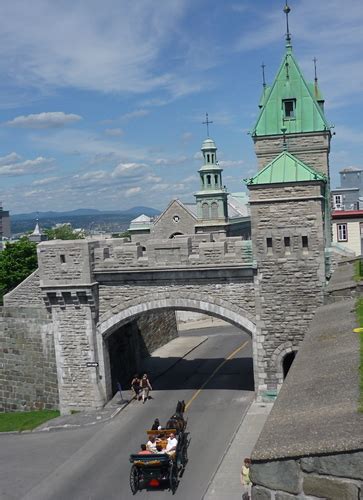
177,420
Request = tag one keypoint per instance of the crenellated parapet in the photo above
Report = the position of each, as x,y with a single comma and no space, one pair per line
179,252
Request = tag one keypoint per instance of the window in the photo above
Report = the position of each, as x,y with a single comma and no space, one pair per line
269,242
287,241
304,241
208,180
214,210
106,253
212,155
342,232
216,180
62,258
208,157
338,201
289,106
205,211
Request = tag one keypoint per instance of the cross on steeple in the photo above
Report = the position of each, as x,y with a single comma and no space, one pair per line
207,122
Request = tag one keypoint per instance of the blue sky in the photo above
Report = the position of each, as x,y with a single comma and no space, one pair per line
101,103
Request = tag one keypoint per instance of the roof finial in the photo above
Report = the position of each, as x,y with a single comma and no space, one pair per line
207,122
315,79
288,36
263,66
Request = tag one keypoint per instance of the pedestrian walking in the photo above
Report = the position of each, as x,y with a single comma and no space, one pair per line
136,386
145,388
245,479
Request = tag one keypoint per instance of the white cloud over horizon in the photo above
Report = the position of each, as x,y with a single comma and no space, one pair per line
54,119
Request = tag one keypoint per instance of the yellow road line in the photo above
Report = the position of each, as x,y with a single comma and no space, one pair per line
215,371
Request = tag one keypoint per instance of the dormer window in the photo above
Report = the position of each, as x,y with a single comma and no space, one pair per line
289,108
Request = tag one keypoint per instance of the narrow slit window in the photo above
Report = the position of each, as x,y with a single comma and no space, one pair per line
106,253
289,108
208,158
216,180
208,180
287,241
269,242
305,242
63,258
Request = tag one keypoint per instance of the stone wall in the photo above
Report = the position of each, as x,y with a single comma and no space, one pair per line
28,373
288,246
334,477
237,292
313,149
26,294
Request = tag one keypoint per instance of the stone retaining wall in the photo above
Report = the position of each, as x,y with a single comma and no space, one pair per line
28,372
333,477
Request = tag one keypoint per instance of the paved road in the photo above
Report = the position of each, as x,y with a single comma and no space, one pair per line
92,463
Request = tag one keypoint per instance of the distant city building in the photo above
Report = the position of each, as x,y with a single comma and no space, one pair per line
37,235
349,196
4,223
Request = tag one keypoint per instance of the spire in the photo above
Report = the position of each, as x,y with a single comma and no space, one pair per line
288,35
263,66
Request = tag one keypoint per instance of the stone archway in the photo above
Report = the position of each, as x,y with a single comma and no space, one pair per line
277,360
126,311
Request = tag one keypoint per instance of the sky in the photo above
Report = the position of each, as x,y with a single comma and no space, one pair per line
102,103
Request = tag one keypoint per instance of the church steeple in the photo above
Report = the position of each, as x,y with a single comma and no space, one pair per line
211,199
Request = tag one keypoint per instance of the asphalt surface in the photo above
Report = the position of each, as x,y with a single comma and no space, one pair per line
92,462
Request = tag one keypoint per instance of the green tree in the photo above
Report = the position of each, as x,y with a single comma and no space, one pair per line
64,232
17,261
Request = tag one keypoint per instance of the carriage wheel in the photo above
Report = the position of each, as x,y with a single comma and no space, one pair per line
134,480
173,477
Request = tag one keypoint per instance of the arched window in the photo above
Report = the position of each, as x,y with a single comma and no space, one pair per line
216,180
214,210
205,211
209,180
175,234
287,362
208,158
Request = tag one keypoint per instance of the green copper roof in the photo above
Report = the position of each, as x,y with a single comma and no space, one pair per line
290,84
285,168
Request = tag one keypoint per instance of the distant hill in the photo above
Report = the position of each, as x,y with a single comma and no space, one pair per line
85,211
86,218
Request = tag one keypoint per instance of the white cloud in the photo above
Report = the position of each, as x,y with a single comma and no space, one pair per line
114,132
129,170
138,113
54,119
132,191
110,47
9,159
16,168
45,181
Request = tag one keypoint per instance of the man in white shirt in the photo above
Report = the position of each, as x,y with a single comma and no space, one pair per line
172,443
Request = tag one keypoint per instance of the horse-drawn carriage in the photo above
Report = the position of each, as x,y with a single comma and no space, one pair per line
162,468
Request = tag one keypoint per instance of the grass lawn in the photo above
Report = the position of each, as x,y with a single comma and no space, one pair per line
25,420
360,323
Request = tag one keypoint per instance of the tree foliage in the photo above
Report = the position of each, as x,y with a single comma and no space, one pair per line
63,232
17,261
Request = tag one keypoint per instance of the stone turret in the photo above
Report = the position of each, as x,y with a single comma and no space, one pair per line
289,202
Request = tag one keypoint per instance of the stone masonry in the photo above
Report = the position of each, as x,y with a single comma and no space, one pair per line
28,370
289,249
313,149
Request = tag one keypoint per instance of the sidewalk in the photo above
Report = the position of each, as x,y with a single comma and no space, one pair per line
227,477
